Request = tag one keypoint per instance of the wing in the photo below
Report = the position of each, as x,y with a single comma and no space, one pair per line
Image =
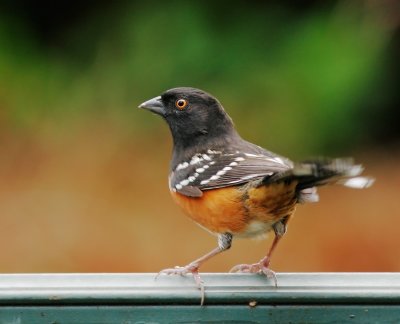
217,169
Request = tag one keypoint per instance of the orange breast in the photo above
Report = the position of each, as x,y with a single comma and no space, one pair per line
237,209
218,210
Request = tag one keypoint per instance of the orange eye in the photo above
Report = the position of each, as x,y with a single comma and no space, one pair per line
181,104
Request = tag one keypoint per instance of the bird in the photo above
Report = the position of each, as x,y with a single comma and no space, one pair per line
234,188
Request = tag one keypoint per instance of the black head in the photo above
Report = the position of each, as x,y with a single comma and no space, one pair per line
195,117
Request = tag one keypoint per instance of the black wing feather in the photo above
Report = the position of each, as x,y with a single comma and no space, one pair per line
214,169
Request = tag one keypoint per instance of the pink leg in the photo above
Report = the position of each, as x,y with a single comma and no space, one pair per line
262,266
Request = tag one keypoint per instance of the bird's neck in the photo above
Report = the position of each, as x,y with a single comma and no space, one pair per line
185,148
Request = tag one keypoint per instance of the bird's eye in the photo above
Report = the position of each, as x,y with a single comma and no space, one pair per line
181,104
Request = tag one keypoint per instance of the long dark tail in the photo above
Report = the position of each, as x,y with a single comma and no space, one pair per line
313,173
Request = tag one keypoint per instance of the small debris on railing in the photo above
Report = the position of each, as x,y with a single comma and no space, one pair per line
253,303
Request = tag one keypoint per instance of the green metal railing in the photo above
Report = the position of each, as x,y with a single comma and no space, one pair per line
240,298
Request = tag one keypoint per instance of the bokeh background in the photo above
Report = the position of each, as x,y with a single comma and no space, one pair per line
83,172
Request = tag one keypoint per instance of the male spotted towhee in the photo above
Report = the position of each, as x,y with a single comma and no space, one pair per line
231,187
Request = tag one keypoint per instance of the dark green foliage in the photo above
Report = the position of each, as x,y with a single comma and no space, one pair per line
292,80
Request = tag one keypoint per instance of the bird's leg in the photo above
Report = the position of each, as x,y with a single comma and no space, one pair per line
224,243
262,266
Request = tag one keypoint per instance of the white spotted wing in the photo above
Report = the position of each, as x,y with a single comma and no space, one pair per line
216,169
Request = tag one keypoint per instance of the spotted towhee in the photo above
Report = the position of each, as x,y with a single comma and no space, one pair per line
231,187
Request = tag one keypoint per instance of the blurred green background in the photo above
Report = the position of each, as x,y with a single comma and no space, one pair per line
83,172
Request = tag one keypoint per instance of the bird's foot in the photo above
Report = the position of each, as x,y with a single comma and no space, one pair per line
261,267
192,268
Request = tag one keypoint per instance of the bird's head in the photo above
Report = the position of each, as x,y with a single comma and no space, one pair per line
194,117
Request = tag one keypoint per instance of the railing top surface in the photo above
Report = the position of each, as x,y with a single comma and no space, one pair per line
143,289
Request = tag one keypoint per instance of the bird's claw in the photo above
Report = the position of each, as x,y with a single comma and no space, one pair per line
260,267
182,271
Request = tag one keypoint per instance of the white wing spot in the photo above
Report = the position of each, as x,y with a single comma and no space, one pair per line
206,157
200,170
212,162
233,164
195,175
178,186
214,177
251,155
184,182
181,166
206,166
213,152
204,182
221,172
191,178
195,159
238,159
227,168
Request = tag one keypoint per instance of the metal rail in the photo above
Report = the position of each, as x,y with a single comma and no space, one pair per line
240,298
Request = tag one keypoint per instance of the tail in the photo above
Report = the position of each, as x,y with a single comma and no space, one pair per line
313,173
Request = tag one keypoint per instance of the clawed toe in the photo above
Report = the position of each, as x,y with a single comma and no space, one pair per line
175,271
245,268
260,268
182,271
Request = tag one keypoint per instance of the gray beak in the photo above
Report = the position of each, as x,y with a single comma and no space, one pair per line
155,105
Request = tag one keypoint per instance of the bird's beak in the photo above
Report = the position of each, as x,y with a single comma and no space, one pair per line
155,105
